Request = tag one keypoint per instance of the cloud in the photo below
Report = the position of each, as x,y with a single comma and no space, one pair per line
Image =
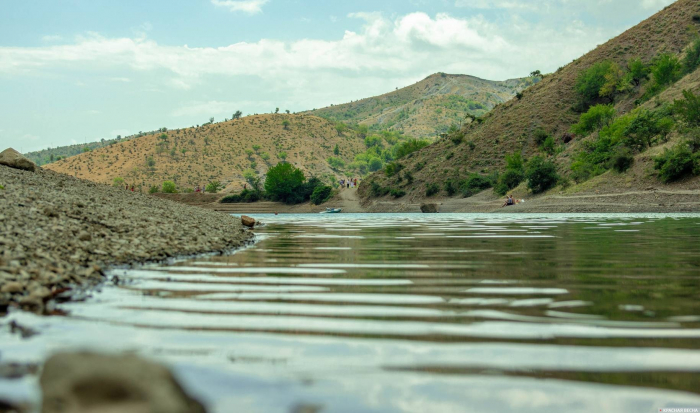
51,38
246,6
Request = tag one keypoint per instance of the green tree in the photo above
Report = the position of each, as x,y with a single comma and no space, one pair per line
666,69
282,156
596,118
336,150
285,124
250,153
591,81
265,156
213,187
256,148
237,115
541,175
336,163
150,162
321,194
283,183
691,61
169,187
277,110
688,108
408,147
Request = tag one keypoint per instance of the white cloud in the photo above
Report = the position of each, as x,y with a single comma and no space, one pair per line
52,38
246,6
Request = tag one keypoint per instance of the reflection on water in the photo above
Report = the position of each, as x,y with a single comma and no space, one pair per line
414,313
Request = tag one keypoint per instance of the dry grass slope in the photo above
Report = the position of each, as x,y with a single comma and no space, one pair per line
510,127
196,156
428,108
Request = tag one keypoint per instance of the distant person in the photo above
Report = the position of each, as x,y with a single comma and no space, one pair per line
245,187
509,201
127,187
132,188
196,190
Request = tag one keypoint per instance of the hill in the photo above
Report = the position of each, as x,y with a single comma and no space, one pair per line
221,151
427,108
550,108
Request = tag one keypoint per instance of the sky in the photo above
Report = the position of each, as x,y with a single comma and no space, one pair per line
73,71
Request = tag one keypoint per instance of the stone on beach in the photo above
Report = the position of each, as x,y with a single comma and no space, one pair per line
429,208
88,382
248,221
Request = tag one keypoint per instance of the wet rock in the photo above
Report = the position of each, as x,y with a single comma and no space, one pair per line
87,382
13,159
429,208
247,221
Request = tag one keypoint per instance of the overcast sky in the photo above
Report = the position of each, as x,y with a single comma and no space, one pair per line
77,70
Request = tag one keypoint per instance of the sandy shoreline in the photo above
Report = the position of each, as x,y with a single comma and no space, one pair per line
58,233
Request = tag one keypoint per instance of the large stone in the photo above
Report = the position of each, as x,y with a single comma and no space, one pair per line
429,208
91,383
248,221
13,159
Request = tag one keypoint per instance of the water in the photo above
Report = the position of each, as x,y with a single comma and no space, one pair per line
412,313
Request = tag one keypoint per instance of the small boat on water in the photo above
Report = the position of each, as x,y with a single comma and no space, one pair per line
331,211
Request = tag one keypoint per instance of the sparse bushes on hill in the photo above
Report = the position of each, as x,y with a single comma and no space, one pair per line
541,174
169,187
397,193
432,189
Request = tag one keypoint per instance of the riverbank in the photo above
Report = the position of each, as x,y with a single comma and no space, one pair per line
58,232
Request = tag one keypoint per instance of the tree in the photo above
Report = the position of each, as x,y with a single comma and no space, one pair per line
282,156
613,78
596,118
591,81
336,150
119,137
689,108
541,175
287,110
283,182
265,156
150,162
250,153
277,110
666,69
285,124
51,157
118,182
237,115
211,120
321,194
536,73
169,187
256,148
213,187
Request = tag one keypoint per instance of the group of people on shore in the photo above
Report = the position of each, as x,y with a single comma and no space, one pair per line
132,189
348,182
199,189
511,202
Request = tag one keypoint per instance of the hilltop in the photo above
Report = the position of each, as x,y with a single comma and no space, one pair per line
547,111
220,151
428,108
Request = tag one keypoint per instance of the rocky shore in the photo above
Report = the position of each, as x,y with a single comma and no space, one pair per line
58,233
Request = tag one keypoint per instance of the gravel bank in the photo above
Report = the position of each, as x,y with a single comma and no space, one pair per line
58,232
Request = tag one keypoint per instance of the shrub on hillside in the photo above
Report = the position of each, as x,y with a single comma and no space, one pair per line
169,187
408,147
321,194
691,61
432,189
397,193
676,163
541,175
594,119
508,180
540,136
548,146
637,71
665,70
377,190
591,81
336,163
622,160
688,108
645,129
475,184
153,189
118,182
213,187
450,187
375,164
392,169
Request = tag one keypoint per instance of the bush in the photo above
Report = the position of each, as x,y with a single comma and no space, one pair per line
397,193
169,187
474,184
118,182
284,183
665,70
432,189
548,146
622,160
375,164
688,108
392,169
594,119
645,128
508,180
591,81
231,199
153,189
408,147
541,175
676,163
336,163
321,194
376,190
457,137
373,140
450,187
638,71
540,136
213,187
691,61
471,145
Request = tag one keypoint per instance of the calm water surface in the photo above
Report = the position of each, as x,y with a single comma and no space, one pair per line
412,313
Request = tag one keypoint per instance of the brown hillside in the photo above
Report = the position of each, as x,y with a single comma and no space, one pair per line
429,107
216,152
510,127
